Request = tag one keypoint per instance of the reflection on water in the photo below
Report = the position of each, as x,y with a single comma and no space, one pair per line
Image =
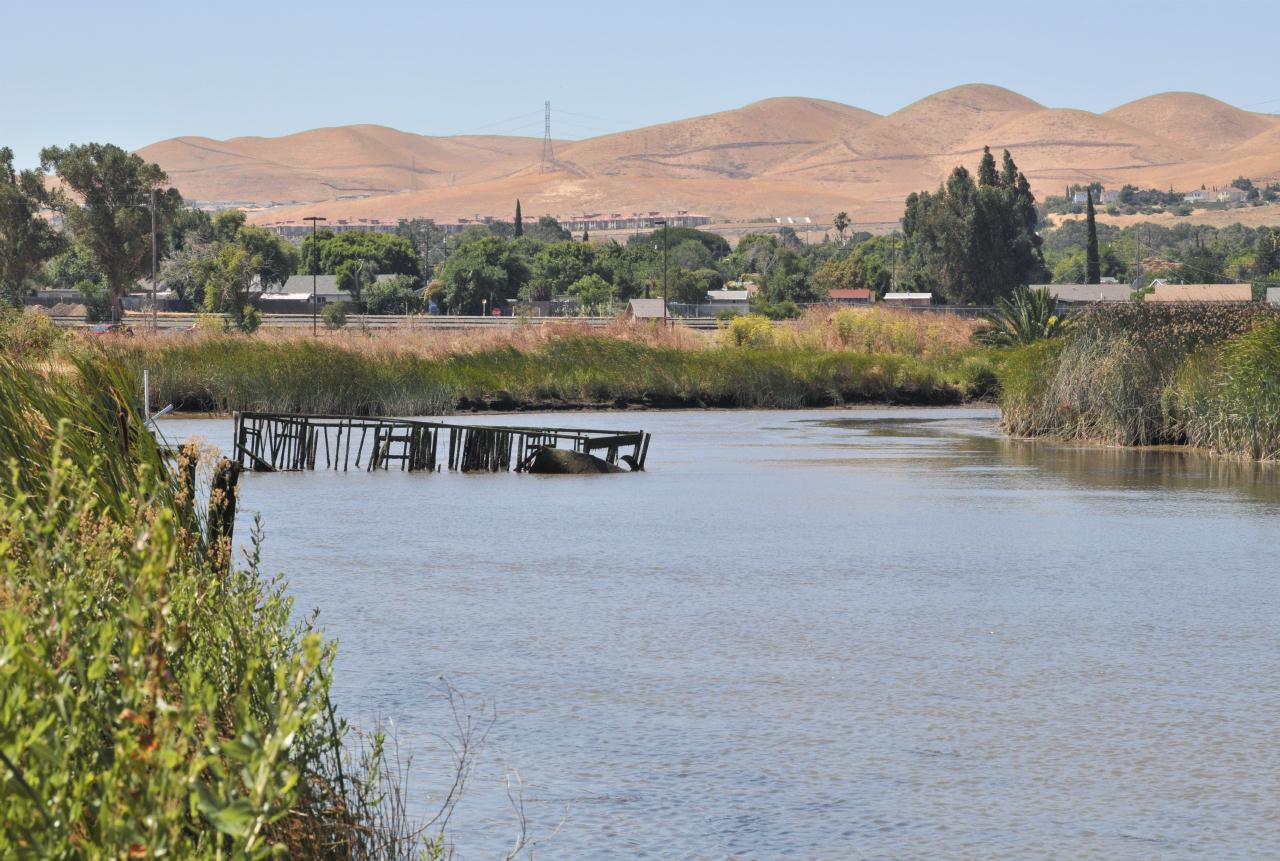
837,634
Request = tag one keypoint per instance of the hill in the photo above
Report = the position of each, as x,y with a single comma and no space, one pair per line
781,156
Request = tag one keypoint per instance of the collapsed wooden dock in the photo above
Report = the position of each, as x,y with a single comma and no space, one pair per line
271,442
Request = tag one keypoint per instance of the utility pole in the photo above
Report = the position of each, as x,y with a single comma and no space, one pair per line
315,273
548,152
155,322
663,222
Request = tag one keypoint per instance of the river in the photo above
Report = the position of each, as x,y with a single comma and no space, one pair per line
876,633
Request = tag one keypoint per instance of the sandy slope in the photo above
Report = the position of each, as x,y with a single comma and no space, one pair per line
785,156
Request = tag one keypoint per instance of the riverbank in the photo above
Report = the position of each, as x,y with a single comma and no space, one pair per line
828,360
1139,374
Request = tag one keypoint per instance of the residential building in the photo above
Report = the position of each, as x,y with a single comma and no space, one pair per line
905,300
1077,293
851,295
645,309
298,287
1201,293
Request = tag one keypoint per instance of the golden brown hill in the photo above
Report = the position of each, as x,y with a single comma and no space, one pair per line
784,156
1193,121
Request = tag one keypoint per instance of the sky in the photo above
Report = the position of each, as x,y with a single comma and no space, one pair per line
133,73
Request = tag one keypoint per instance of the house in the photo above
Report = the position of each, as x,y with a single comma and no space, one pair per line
1273,295
851,295
1230,194
1080,197
645,309
1078,293
1201,293
1110,197
1199,195
728,298
299,287
908,300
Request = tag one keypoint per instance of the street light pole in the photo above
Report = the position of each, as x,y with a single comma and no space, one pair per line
664,270
315,273
155,322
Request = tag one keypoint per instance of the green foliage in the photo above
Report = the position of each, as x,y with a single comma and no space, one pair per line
594,292
230,277
29,335
557,266
333,316
486,269
96,299
250,319
26,239
74,265
714,244
1023,317
978,241
395,295
864,268
1228,398
547,229
1111,377
355,276
390,253
110,216
1093,266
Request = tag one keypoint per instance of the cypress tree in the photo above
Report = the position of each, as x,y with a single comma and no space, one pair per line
519,220
1093,273
987,169
1009,173
586,235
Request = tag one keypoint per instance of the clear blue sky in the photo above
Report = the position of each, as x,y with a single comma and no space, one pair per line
136,72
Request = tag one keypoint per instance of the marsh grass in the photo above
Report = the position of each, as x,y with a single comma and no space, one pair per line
1139,374
898,358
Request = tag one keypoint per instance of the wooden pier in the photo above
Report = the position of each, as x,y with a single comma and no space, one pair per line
271,442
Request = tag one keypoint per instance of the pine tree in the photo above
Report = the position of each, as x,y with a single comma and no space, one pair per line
987,169
586,235
1008,172
519,220
1093,269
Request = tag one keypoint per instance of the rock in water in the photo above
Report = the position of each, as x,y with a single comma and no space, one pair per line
558,461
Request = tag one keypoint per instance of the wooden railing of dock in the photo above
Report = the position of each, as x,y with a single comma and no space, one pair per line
279,442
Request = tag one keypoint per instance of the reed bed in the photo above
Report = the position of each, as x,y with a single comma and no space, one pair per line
538,369
1145,374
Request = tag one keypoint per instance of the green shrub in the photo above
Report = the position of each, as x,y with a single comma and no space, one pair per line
250,319
31,334
750,330
334,316
1228,398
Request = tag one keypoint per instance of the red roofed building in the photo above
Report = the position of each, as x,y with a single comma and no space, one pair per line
852,296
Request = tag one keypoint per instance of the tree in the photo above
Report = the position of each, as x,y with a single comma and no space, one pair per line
392,254
977,242
231,276
557,266
1093,269
109,216
987,175
395,295
26,239
548,230
841,224
687,287
487,268
592,291
1266,256
586,234
427,239
519,220
356,275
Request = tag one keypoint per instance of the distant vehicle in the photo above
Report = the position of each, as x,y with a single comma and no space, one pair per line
102,329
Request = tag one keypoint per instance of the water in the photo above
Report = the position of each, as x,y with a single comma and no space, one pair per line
853,634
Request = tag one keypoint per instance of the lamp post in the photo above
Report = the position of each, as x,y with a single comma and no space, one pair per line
315,273
663,222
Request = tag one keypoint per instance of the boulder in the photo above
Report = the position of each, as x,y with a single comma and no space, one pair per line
559,461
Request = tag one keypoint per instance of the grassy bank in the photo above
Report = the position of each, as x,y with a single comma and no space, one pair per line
839,358
155,699
1144,374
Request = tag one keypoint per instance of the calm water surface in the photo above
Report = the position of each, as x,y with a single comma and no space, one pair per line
854,634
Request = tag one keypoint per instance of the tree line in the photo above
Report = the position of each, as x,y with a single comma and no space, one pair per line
972,241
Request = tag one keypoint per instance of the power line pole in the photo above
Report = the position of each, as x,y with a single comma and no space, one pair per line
155,323
548,152
315,273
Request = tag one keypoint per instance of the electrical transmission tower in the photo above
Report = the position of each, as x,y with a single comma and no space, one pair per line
548,152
